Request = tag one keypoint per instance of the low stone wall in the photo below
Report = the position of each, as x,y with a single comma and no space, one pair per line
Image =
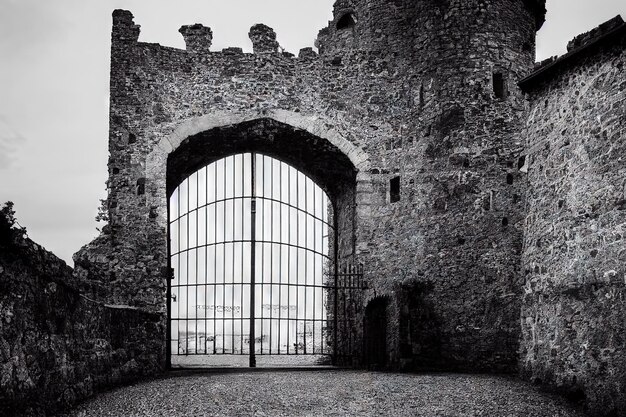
58,347
573,310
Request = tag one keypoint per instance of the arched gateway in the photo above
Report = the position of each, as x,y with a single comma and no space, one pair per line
258,220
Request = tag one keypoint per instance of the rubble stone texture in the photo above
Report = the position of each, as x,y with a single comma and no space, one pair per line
574,304
198,38
510,201
412,96
263,39
58,347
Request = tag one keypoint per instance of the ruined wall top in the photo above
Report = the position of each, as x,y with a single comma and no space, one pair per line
367,25
263,39
610,32
124,28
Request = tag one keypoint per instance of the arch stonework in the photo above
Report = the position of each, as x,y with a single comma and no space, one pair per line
156,161
315,125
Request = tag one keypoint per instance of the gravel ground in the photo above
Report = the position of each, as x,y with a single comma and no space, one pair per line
327,393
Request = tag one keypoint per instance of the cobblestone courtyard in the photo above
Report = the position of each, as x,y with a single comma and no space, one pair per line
328,393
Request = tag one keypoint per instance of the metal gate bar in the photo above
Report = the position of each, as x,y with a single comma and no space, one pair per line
241,206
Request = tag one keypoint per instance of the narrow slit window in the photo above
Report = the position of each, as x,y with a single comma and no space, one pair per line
394,190
141,186
499,85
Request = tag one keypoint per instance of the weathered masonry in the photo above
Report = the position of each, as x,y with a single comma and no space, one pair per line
481,197
412,134
574,259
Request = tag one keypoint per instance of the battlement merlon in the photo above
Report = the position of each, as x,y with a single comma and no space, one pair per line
263,39
198,38
124,28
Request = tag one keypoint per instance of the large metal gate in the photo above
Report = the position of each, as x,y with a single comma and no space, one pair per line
252,273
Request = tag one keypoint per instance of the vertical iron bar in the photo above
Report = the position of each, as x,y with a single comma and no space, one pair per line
336,290
288,256
232,274
280,252
187,280
197,250
243,229
224,260
206,259
298,258
271,247
314,266
215,258
306,257
262,161
168,329
252,265
178,289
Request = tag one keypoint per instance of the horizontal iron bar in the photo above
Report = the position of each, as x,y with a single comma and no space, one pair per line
231,242
259,354
247,284
245,319
253,198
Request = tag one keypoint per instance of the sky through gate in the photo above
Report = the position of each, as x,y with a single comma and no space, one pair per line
211,245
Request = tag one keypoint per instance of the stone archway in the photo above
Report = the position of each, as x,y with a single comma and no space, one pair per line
316,126
318,158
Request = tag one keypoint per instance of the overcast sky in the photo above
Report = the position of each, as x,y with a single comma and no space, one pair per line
54,77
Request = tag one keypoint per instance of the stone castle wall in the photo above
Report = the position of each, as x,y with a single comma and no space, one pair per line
574,303
422,108
510,199
57,347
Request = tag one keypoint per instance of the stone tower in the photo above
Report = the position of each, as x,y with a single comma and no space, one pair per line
447,127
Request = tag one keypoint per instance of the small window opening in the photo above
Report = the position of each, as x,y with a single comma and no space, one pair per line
347,21
422,95
499,85
132,138
521,162
505,221
141,186
509,179
394,190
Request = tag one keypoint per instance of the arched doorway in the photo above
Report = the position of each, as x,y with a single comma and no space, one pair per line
249,244
375,333
260,215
